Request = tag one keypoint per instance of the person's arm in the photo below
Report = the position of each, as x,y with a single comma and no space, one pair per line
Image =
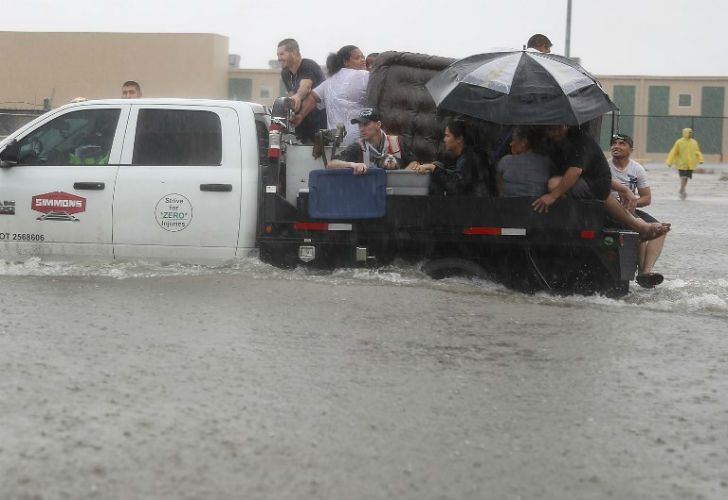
304,88
500,170
408,160
568,180
671,155
306,107
645,196
626,196
699,153
351,157
357,168
423,168
459,179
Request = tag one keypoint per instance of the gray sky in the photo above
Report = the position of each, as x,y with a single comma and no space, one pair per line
645,37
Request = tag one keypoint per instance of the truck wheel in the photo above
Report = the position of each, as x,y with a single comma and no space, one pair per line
276,258
445,268
617,290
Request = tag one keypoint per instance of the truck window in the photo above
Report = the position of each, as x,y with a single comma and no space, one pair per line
177,137
77,138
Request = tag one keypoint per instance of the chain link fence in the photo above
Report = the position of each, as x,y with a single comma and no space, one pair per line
654,135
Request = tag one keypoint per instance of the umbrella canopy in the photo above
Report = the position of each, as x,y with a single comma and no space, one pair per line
522,87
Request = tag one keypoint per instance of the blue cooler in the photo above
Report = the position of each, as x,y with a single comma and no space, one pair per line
336,193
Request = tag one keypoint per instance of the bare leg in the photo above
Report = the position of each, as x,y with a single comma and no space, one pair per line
649,253
683,185
647,231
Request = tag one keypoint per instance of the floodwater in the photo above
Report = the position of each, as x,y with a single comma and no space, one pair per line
134,380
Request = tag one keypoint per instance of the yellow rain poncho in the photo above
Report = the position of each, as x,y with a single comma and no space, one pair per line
685,153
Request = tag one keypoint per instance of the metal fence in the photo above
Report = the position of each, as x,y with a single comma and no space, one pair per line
654,135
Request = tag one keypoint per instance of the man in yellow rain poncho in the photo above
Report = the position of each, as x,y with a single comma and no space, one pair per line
684,155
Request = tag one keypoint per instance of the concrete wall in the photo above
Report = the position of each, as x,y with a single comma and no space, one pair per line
62,66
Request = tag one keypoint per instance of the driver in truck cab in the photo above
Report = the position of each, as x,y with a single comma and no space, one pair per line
94,147
374,149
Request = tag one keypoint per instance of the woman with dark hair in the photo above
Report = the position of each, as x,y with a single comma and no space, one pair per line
524,172
464,173
344,94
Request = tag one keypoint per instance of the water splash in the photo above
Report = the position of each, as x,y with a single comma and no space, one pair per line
676,295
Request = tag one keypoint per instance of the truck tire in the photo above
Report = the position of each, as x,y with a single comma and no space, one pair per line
617,290
453,266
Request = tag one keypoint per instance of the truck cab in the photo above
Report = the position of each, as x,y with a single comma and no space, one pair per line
162,179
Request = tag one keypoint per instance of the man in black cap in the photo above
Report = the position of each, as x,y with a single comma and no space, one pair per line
375,149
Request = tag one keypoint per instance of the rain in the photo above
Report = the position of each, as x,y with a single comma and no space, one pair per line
152,369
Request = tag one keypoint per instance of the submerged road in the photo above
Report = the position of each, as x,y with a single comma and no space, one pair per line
241,386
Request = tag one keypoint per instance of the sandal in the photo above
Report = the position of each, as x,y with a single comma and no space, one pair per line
649,280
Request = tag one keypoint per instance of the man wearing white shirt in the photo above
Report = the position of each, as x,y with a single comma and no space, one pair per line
630,186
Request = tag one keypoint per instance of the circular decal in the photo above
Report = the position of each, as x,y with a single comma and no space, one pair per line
173,212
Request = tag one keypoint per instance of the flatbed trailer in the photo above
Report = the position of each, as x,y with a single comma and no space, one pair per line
567,250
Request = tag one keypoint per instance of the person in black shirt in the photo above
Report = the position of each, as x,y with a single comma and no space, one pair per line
300,76
582,171
463,173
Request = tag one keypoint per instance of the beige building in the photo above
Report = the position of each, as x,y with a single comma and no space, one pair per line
256,85
61,66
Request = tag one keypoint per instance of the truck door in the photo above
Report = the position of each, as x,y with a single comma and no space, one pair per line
57,200
178,188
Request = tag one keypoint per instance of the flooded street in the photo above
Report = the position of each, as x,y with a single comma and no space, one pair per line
131,380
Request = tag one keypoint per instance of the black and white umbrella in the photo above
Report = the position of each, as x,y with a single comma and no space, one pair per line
522,87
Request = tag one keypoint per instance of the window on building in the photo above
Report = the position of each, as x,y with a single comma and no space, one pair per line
240,89
177,137
76,138
265,92
685,100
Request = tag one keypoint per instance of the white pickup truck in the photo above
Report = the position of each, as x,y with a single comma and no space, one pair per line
166,179
195,180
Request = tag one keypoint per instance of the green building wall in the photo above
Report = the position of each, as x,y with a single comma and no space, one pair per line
708,129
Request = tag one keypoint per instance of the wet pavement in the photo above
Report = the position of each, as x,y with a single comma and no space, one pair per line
235,387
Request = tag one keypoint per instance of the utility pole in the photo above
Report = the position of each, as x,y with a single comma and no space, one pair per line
567,50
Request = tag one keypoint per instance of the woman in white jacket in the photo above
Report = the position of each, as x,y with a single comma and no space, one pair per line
343,94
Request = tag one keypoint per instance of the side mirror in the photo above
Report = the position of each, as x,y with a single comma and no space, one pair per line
9,155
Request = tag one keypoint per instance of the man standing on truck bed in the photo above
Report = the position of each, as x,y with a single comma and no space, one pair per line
300,76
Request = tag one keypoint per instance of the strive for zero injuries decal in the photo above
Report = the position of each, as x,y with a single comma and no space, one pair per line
173,212
58,206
